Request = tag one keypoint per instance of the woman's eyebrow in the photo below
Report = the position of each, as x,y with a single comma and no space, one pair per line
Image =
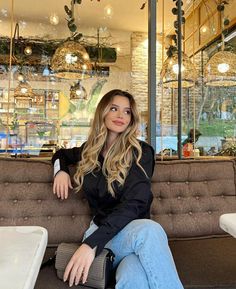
113,104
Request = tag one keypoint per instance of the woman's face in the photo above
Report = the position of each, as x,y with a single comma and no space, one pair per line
119,116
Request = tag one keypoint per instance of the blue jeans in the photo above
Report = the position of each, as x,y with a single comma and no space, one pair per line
143,257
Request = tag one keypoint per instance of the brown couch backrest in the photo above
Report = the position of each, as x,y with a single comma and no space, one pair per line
26,199
189,197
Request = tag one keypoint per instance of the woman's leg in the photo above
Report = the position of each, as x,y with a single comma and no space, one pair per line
130,274
148,241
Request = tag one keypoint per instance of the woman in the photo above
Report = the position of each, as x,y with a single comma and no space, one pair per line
114,170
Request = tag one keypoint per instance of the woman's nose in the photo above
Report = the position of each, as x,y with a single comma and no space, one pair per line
120,114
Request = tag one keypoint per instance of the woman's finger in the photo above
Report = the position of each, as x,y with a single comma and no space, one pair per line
85,273
66,191
78,275
60,190
67,271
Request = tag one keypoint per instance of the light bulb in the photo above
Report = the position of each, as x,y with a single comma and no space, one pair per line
78,92
108,11
223,67
204,29
24,90
54,19
70,59
176,68
28,50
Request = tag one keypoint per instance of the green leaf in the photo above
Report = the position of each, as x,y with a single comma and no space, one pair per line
68,11
72,27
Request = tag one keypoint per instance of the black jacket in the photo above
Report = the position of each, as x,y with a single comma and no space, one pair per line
132,201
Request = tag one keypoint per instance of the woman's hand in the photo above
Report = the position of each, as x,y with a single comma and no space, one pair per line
61,185
79,264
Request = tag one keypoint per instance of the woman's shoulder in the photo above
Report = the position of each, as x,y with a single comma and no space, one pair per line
146,148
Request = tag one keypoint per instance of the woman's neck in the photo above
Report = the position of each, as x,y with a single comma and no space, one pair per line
110,140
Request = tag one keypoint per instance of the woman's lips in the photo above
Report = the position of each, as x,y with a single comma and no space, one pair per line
118,122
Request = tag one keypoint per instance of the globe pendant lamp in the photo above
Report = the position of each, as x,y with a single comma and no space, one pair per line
23,91
78,92
71,61
220,70
170,68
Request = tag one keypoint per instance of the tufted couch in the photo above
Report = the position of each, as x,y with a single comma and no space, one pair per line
189,197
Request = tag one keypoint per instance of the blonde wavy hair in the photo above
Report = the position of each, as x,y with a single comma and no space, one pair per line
122,152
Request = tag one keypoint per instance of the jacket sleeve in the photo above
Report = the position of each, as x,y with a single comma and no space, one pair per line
65,157
134,204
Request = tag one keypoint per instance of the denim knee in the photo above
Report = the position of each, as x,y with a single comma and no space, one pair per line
147,228
130,274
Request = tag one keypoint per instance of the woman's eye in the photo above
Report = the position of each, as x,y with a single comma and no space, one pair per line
128,112
113,108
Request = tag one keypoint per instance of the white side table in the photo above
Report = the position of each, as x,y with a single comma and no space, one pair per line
21,253
228,223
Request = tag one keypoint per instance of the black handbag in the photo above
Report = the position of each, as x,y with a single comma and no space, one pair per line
99,272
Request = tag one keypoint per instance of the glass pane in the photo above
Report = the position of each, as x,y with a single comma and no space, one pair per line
230,11
207,9
45,110
189,45
192,23
209,29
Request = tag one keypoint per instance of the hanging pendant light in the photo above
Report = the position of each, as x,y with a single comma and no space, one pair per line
23,91
170,68
71,60
78,92
220,70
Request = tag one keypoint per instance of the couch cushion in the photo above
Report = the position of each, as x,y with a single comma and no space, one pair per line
189,196
26,199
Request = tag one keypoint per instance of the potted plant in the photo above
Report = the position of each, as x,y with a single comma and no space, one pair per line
229,149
